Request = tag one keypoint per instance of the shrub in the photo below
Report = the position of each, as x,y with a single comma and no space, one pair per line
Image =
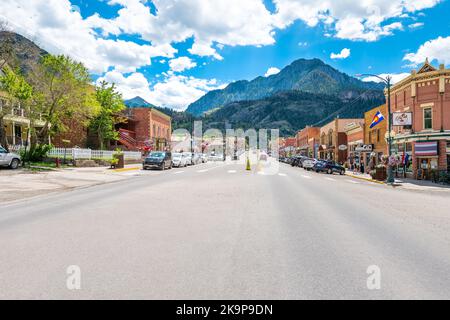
37,154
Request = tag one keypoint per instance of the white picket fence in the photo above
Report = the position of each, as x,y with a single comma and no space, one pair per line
85,154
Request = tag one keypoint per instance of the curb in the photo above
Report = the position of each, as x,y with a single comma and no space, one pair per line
366,179
126,169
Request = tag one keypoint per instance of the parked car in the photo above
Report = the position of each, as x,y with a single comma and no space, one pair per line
196,158
158,160
329,167
178,160
297,161
9,159
308,164
204,158
263,157
188,157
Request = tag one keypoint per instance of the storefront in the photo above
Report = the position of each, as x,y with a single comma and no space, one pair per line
405,151
427,159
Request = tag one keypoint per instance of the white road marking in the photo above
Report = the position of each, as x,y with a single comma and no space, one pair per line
282,174
178,172
330,179
351,181
232,171
306,177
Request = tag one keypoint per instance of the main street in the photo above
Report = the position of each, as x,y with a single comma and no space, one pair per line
219,232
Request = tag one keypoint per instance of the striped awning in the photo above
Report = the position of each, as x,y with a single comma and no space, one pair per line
426,149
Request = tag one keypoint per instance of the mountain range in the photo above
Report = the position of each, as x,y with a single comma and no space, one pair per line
309,76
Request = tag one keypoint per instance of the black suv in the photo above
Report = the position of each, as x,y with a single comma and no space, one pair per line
329,167
159,160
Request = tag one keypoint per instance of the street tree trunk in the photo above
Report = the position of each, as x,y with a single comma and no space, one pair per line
3,140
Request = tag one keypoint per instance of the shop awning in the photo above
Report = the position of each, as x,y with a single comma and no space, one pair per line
426,149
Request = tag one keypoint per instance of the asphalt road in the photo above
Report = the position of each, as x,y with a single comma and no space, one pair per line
219,232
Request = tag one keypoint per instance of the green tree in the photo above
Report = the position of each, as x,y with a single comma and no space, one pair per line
63,91
111,104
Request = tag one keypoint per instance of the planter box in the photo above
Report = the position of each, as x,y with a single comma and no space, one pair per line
121,163
380,174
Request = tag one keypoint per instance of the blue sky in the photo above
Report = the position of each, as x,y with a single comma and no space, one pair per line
172,52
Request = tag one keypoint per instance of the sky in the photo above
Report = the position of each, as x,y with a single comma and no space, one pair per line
172,52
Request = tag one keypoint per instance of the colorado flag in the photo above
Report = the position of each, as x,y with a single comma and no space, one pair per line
377,119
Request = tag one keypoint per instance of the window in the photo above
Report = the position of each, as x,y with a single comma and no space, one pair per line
428,118
378,135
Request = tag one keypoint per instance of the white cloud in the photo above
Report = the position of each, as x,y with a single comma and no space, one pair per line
174,91
437,49
416,25
272,71
58,28
395,77
344,54
182,63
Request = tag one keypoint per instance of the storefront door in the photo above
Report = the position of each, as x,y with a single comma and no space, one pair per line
426,167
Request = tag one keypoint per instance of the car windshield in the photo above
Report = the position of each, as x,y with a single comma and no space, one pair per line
2,150
157,155
177,155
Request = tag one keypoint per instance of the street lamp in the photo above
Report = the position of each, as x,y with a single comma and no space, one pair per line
388,82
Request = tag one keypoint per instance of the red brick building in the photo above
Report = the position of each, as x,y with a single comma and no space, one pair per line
145,128
424,99
308,141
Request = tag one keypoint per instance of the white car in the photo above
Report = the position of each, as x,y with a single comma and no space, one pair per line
8,159
204,158
178,161
308,164
188,158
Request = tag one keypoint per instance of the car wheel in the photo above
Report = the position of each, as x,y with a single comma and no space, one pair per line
163,167
14,164
330,171
342,172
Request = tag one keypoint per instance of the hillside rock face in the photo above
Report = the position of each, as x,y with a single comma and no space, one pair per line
309,76
26,51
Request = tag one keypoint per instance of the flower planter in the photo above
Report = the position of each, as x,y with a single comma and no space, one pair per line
380,174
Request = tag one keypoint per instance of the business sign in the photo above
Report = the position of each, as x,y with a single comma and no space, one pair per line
402,119
343,147
364,148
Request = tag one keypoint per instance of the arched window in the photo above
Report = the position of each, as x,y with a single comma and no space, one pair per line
330,137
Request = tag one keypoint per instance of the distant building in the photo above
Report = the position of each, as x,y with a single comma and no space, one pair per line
145,128
421,119
308,142
333,140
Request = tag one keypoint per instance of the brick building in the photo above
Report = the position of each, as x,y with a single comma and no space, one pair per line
355,139
375,143
421,104
308,141
333,140
145,128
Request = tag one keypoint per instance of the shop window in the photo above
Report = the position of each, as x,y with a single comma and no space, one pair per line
428,118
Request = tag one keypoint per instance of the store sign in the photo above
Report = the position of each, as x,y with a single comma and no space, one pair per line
364,148
426,149
402,119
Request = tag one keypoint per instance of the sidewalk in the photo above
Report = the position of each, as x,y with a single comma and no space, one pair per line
21,184
408,184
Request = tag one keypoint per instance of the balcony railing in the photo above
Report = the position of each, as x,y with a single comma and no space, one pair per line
21,113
